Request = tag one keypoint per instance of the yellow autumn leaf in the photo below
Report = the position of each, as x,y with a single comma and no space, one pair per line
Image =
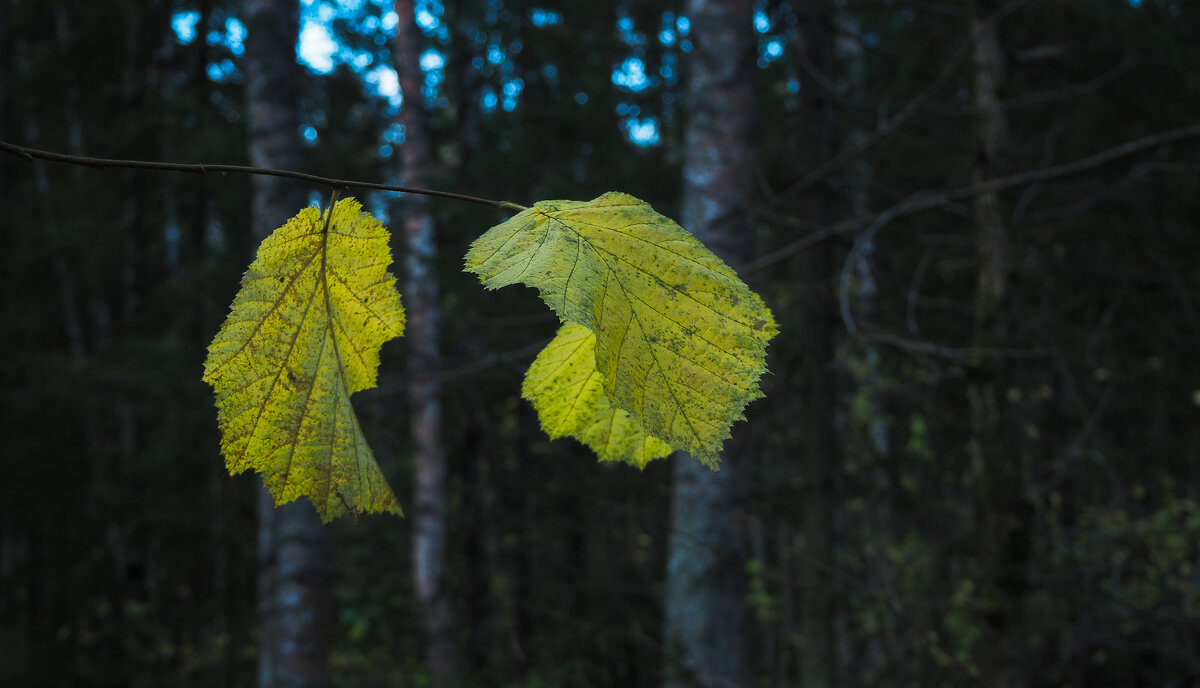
303,334
568,393
680,339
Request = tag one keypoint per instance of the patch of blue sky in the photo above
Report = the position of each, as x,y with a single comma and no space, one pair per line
668,69
489,100
544,17
631,75
317,9
320,51
667,35
389,22
762,23
512,94
625,27
495,11
394,133
383,82
769,50
426,20
432,63
222,71
432,60
432,89
642,132
429,19
368,25
184,25
235,34
316,47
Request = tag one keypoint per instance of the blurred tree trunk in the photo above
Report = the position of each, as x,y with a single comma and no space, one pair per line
865,442
707,624
6,66
424,360
295,603
818,441
995,454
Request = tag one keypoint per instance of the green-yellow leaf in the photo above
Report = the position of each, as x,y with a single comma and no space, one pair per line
304,334
680,339
568,393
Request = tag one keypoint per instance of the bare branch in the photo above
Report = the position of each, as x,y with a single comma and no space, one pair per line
887,127
926,200
965,353
929,199
32,154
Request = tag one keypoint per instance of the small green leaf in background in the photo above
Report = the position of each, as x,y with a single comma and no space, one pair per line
680,339
303,334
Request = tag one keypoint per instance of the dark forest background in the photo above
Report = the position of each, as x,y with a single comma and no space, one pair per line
978,457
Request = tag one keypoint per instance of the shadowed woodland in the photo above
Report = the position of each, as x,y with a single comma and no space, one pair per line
977,225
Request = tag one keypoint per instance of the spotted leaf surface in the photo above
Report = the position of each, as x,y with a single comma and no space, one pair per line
303,334
680,339
568,393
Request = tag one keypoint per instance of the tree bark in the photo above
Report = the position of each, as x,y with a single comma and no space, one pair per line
815,392
995,451
424,360
7,65
707,621
865,436
295,603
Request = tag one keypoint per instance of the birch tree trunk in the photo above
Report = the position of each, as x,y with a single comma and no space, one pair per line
295,604
707,622
424,360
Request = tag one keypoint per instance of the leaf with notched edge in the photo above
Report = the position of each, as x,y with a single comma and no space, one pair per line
568,393
680,339
303,334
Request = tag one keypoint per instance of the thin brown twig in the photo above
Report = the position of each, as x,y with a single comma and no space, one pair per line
32,154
